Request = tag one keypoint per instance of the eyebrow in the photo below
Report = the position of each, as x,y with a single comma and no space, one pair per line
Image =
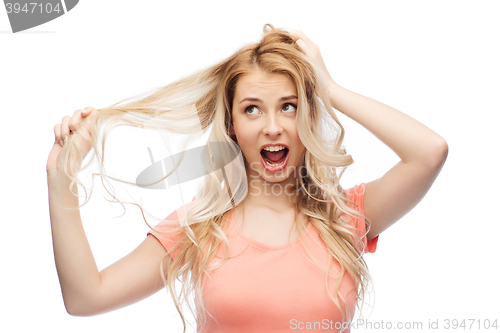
253,99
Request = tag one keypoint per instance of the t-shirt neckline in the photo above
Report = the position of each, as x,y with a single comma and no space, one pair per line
263,246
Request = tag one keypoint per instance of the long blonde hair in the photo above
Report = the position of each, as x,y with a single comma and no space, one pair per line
205,99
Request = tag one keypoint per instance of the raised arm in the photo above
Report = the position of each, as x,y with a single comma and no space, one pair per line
421,150
85,290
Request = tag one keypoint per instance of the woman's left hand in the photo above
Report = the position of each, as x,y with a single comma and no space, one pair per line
311,50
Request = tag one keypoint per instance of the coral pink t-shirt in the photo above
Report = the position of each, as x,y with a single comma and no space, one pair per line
275,288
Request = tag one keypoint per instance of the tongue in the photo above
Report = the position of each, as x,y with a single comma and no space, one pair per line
274,156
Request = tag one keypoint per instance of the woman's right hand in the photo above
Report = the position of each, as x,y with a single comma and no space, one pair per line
69,126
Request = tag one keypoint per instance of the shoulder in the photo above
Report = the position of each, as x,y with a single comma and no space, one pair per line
355,200
356,194
169,231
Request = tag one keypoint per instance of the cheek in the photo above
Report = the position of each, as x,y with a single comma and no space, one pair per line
294,133
246,139
298,143
242,135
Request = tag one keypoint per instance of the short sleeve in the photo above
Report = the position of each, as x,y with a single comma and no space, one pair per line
357,194
170,223
167,240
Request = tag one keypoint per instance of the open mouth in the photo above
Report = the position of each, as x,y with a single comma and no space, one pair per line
274,158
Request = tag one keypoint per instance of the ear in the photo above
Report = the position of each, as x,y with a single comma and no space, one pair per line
231,130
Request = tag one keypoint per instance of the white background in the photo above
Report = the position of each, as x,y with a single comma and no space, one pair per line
437,61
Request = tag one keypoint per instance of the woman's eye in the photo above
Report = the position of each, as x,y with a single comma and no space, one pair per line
289,108
250,108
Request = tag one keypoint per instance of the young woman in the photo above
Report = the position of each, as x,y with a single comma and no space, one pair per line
290,253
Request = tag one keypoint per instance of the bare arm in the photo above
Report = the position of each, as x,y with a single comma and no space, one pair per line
421,150
85,290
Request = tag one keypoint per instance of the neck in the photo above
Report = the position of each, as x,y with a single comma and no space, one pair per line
278,196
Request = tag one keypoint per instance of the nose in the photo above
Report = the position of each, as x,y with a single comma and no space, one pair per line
273,127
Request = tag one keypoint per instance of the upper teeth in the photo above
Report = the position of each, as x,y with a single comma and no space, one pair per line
274,148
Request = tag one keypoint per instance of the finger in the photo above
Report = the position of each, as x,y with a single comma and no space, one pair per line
65,127
88,110
302,44
74,121
304,47
57,134
303,36
306,42
294,34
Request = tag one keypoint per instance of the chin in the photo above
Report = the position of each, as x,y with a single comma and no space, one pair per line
277,177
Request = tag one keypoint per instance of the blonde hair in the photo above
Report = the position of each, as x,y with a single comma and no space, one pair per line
205,98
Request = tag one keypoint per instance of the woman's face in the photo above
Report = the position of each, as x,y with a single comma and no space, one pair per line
264,110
